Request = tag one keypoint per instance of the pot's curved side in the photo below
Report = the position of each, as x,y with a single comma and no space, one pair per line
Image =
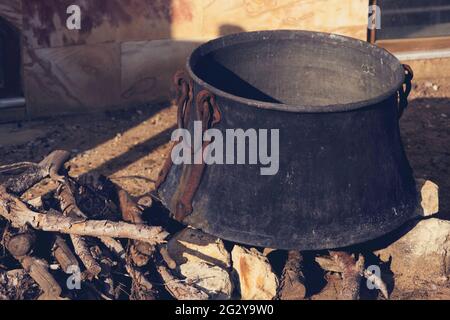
343,179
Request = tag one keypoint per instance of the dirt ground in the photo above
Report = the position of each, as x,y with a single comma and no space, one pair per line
130,146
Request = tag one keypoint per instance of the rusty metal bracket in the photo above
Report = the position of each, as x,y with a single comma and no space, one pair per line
208,112
184,96
405,90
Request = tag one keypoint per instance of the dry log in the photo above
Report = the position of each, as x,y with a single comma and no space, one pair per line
107,263
19,244
63,254
49,167
167,258
140,252
38,270
82,250
20,215
352,271
292,280
131,212
68,203
329,264
178,289
18,166
142,288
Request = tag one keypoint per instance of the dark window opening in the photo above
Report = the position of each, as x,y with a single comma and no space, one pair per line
10,61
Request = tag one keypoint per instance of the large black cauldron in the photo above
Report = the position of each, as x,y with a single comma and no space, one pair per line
343,175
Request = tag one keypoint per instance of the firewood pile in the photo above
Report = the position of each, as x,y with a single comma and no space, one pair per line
89,239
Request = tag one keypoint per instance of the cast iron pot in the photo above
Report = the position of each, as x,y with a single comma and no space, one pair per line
343,175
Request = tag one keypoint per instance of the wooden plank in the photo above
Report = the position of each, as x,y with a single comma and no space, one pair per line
72,79
11,11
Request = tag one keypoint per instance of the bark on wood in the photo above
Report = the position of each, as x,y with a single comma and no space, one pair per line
131,212
20,215
82,250
329,264
20,244
68,203
140,252
64,255
18,166
142,288
166,257
38,270
292,280
178,289
352,271
49,167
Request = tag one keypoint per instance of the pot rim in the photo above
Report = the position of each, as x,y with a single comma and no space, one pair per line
286,33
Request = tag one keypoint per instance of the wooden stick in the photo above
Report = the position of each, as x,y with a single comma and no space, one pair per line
351,274
19,215
63,254
19,244
140,252
142,288
38,270
82,250
329,264
292,280
67,202
8,168
49,167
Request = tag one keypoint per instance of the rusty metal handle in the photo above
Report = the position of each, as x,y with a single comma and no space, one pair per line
183,87
184,96
209,114
405,90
